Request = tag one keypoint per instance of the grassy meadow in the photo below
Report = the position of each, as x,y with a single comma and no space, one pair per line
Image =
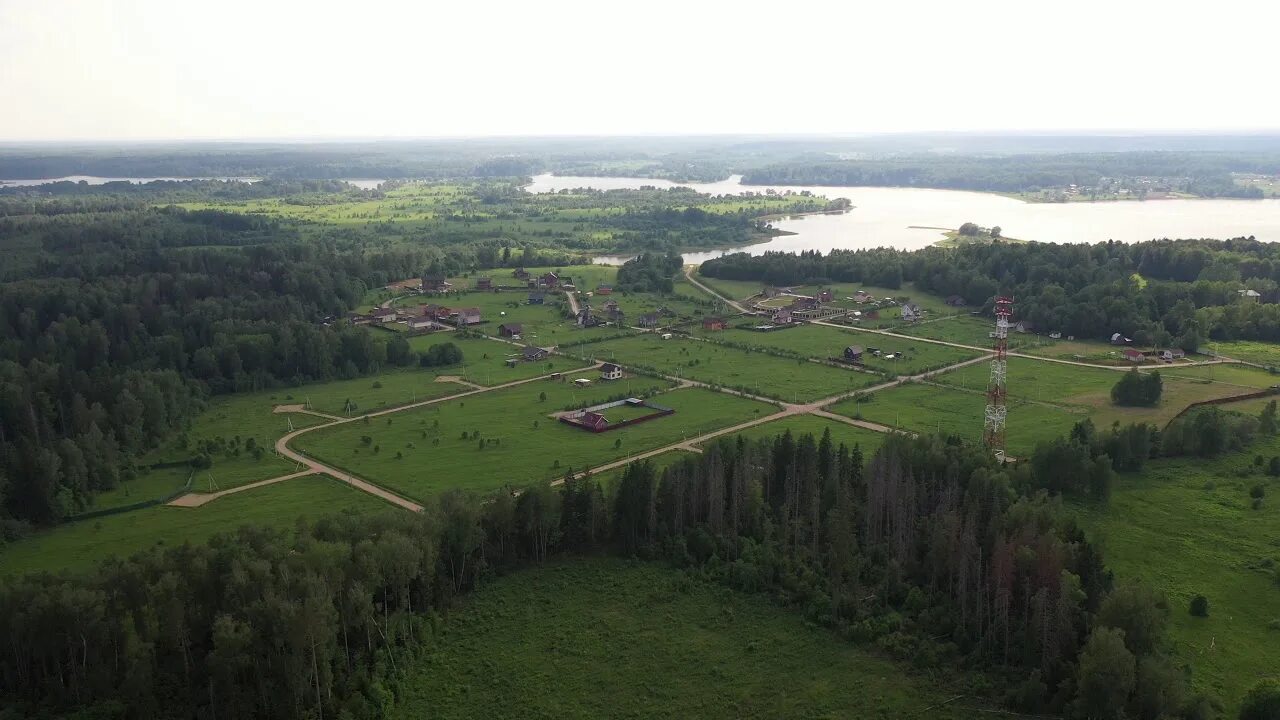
422,451
1187,527
570,640
757,373
926,408
80,546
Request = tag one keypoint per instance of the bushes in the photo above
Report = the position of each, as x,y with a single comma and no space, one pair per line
1138,389
440,355
1200,606
1262,702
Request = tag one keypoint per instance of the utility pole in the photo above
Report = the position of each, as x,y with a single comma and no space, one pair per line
997,412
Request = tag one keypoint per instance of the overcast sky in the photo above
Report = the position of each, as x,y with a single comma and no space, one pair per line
154,69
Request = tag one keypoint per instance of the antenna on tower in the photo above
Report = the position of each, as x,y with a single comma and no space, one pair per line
997,411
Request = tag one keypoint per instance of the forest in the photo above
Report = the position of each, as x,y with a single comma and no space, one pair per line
1180,293
931,551
1207,174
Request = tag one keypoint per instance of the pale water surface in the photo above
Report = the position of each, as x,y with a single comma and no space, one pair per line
95,180
901,217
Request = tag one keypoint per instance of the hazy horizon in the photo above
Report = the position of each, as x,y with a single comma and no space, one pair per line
148,71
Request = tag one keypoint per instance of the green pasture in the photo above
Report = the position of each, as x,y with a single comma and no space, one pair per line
512,437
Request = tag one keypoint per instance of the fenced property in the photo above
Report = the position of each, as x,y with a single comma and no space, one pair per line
617,414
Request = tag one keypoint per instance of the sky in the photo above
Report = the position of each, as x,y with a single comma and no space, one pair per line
276,69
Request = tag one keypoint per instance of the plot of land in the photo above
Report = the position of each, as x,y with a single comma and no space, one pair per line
841,433
484,361
422,451
1188,528
753,372
823,342
970,330
81,546
925,408
1263,353
571,639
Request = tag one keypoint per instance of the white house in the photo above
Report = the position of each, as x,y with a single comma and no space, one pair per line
610,371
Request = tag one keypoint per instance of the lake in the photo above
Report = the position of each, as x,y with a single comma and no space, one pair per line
901,217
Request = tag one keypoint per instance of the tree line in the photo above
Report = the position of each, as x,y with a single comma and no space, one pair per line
931,550
1167,293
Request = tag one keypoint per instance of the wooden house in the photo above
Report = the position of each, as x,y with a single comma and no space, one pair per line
509,330
593,421
484,283
537,297
466,316
604,290
1133,355
530,353
713,323
853,353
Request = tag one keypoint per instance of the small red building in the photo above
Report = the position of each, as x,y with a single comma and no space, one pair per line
604,290
593,421
1133,355
713,323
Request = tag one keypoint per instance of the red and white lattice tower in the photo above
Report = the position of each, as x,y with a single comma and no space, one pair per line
997,412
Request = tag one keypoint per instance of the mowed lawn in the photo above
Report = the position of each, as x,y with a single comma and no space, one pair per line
841,433
511,438
927,409
80,546
969,330
787,379
604,637
1187,527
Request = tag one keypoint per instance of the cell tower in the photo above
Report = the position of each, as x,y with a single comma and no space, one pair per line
997,412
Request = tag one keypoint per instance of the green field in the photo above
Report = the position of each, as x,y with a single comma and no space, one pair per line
1187,527
484,361
970,330
823,342
925,408
226,419
612,638
1263,353
82,545
841,433
151,484
523,443
757,373
1090,388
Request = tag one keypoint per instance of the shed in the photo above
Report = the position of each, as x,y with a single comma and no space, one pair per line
853,353
510,329
593,421
1133,355
713,323
484,283
533,354
537,297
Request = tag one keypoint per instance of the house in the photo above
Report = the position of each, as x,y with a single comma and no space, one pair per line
439,312
466,316
650,320
530,353
593,421
549,280
435,283
510,330
610,371
586,319
853,353
713,323
1118,339
1249,294
359,318
537,297
804,303
1171,355
384,315
604,290
825,296
861,297
1133,355
911,312
782,316
611,306
421,322
956,301
484,283
520,274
